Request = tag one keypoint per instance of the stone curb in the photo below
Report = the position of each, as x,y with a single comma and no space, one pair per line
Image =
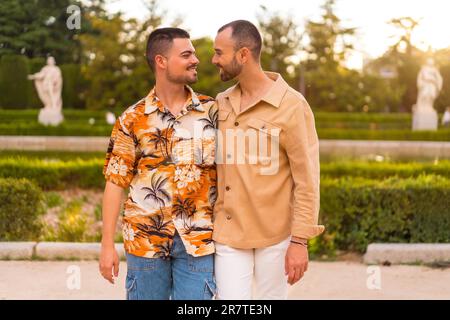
403,253
16,250
428,149
377,253
53,250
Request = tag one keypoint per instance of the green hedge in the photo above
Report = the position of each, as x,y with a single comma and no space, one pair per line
21,206
14,86
359,117
404,207
77,128
382,170
71,114
72,85
348,126
358,211
54,174
402,135
65,129
56,170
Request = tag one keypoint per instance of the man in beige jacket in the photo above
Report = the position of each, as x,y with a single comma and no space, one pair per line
268,202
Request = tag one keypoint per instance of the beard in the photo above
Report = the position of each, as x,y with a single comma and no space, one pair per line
181,79
230,71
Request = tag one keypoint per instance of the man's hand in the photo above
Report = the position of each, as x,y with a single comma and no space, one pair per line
109,263
296,262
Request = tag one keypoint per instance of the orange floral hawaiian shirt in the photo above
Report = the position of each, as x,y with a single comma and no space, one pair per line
168,164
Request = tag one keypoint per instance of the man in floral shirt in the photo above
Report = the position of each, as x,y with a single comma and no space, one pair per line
163,148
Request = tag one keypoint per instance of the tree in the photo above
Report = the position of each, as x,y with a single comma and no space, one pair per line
38,28
14,85
114,62
407,59
281,41
329,42
328,80
442,58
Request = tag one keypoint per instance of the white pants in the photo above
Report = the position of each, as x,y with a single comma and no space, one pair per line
240,272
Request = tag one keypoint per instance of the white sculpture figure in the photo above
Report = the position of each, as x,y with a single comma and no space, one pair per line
110,118
48,84
429,84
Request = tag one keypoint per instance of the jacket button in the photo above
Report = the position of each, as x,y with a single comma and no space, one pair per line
228,217
236,123
227,188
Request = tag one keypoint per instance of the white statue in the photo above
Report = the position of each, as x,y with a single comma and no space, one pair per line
429,84
48,84
110,118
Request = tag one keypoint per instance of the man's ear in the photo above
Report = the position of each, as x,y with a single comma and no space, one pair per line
160,61
244,55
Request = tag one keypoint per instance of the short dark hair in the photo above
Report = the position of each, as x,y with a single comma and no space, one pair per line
245,34
160,41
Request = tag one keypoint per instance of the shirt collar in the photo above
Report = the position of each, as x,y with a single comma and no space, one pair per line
152,102
273,96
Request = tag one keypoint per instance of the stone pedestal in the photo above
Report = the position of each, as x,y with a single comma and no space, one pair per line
51,117
425,120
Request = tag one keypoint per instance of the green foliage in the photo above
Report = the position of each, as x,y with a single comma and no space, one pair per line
53,199
357,211
281,41
402,135
382,170
72,223
72,85
54,174
21,207
443,100
14,86
65,129
38,28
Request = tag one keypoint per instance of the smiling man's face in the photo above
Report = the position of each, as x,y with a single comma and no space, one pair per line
182,62
225,56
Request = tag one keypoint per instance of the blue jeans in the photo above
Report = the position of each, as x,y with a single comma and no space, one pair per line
180,277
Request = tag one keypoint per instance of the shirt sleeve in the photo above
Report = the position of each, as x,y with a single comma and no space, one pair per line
121,154
302,147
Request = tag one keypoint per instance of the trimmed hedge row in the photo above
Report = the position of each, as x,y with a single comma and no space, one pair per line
65,129
397,118
380,170
70,114
358,211
402,135
57,174
21,206
84,129
355,211
358,117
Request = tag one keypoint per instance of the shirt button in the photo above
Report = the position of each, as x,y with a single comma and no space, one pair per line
236,123
228,217
227,188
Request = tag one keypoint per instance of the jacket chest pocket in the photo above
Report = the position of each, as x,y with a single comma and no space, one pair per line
267,142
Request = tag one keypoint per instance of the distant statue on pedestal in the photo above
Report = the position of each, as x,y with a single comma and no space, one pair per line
48,84
429,84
